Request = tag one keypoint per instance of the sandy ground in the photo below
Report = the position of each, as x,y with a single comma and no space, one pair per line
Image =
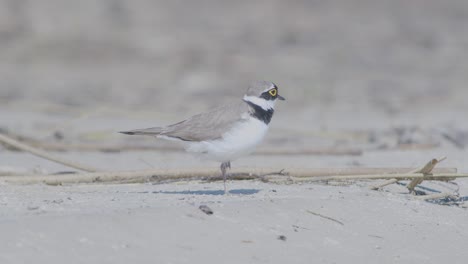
162,223
386,78
257,223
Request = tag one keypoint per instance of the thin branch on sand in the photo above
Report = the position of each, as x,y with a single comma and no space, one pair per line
40,153
381,185
325,217
209,174
425,170
392,175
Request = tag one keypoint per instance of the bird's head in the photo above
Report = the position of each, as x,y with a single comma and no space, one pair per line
263,94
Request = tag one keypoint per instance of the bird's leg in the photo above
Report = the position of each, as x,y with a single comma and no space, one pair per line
224,166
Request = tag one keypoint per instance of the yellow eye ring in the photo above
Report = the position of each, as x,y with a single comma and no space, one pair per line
273,92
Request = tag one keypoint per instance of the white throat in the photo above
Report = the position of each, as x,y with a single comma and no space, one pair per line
265,104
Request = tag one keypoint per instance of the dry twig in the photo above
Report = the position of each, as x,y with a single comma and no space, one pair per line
425,170
325,217
14,143
381,185
428,172
206,174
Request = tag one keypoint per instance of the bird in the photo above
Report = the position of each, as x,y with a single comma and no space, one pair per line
227,132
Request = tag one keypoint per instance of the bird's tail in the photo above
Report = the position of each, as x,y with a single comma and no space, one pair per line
153,131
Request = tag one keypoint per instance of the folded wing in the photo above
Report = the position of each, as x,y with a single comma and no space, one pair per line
202,127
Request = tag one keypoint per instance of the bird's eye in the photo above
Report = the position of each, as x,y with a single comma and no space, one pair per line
273,92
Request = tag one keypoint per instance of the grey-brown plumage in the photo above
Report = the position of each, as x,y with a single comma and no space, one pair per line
202,127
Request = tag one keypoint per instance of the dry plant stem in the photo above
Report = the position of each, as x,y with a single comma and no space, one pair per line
252,173
425,170
318,172
399,177
379,186
171,175
14,143
295,172
101,177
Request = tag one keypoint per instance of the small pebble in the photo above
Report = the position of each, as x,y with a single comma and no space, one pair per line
206,209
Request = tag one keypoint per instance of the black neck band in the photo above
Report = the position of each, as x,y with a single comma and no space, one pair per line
260,113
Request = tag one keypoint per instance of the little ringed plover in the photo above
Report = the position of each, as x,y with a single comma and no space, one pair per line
227,132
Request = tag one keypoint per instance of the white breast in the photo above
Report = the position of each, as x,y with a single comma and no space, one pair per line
239,141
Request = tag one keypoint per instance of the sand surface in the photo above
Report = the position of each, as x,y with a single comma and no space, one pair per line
385,78
162,223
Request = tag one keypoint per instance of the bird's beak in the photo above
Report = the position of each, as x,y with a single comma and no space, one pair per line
281,97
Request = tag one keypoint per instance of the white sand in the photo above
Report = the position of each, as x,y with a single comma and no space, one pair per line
147,223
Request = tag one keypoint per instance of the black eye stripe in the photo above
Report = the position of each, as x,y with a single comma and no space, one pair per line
267,96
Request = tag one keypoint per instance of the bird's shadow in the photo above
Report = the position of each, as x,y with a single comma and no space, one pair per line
211,192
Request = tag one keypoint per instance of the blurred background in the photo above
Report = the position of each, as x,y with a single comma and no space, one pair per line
394,71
